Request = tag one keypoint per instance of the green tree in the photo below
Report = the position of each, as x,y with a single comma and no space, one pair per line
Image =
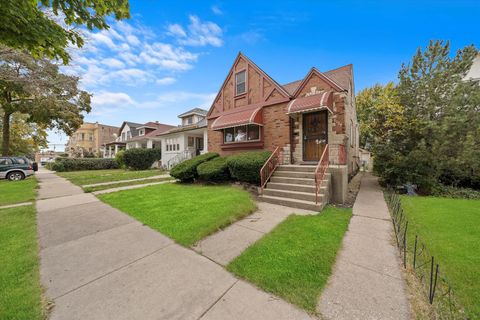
47,27
35,88
26,138
423,130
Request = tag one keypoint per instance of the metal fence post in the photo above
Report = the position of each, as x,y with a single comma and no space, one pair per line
430,298
415,252
405,246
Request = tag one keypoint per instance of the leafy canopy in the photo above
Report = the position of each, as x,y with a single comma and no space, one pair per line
425,130
47,27
35,88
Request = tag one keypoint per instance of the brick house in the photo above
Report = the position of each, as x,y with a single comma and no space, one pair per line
254,112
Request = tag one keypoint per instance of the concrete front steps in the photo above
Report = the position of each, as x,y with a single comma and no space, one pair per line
294,186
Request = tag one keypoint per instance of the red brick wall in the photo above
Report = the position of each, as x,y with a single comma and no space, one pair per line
276,131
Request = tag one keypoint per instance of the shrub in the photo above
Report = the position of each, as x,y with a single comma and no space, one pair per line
246,166
120,158
142,158
187,170
75,164
455,192
214,170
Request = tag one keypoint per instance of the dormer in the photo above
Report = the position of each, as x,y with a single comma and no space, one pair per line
192,117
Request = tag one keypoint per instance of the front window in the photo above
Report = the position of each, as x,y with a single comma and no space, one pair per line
141,132
240,82
245,133
191,142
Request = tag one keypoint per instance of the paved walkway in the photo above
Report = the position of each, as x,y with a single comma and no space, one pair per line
98,263
367,282
123,181
224,246
135,186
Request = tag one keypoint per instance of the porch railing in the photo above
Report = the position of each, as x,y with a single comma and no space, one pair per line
320,171
180,157
269,167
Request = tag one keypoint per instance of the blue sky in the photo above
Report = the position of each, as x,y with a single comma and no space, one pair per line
172,56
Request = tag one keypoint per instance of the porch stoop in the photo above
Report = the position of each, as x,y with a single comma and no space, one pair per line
294,186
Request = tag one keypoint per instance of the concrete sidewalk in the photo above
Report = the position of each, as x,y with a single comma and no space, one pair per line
98,263
223,246
123,181
367,282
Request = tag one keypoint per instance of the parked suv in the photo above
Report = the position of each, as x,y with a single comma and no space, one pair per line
16,168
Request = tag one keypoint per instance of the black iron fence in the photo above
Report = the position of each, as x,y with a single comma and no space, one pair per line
418,260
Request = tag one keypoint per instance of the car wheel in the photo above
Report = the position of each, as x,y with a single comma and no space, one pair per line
15,176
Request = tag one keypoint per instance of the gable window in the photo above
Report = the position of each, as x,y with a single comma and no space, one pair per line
190,120
141,132
240,82
245,133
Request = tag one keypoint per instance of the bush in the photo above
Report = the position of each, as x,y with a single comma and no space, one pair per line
120,158
187,170
214,170
76,164
142,158
246,166
455,192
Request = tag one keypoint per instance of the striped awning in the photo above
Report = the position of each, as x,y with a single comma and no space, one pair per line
319,101
242,116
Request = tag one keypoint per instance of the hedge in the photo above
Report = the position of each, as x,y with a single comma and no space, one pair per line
187,170
76,164
141,158
246,166
214,170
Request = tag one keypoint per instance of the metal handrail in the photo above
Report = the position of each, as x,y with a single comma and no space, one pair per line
269,167
179,157
322,167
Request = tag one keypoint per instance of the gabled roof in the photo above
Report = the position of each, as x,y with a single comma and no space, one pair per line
341,76
198,111
130,124
241,55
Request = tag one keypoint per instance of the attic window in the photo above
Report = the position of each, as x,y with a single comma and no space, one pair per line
240,82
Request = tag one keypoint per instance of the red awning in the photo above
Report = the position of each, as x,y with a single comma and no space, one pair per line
323,100
243,116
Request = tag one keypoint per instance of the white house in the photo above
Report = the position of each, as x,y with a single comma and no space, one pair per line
474,72
187,140
136,135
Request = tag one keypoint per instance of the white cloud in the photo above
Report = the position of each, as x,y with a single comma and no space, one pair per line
176,30
119,99
132,55
166,81
199,33
216,10
113,63
100,38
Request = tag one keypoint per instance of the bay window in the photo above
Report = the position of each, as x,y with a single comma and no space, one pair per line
243,133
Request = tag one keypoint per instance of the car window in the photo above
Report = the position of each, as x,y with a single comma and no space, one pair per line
5,161
20,161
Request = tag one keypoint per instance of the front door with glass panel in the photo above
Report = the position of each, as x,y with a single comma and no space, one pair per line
315,135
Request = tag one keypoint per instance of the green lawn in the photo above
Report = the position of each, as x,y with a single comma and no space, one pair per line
295,260
185,213
81,178
17,191
20,290
451,230
122,184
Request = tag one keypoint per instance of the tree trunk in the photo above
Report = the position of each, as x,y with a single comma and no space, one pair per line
6,134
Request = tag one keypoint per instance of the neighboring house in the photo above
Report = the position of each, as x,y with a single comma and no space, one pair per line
133,135
186,140
366,162
474,72
91,138
253,112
